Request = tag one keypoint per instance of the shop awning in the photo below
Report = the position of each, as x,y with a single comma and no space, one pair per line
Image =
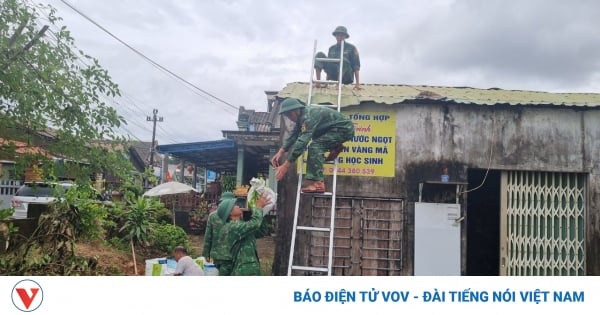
218,155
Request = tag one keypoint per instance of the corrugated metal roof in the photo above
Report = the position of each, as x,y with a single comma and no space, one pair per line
393,94
259,118
23,148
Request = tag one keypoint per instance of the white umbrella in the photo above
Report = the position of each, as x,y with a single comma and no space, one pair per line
170,188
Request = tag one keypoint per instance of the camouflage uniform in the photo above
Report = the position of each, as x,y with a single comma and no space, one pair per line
327,128
213,225
240,238
351,63
220,255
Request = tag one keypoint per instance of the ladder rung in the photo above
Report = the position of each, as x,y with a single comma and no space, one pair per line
326,81
307,268
328,59
327,193
313,228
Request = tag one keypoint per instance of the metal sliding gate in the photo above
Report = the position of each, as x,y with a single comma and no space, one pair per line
542,224
369,235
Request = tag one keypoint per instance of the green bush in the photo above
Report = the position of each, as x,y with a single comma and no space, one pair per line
163,215
6,213
114,220
91,223
165,237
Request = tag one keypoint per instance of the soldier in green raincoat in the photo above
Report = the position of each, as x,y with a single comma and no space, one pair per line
239,237
326,130
351,60
211,250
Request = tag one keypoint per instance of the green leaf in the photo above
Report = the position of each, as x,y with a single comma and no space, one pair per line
47,87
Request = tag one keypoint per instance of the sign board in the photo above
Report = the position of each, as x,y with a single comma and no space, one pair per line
372,150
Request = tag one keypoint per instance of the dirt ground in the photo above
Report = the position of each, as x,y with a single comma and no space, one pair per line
122,262
109,258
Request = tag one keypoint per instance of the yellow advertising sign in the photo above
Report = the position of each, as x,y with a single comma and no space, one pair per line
372,150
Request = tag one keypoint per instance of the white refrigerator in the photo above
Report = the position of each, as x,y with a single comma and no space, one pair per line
437,239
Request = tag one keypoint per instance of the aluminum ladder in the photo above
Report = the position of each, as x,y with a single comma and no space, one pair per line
331,228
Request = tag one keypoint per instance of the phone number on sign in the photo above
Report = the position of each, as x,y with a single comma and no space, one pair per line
353,170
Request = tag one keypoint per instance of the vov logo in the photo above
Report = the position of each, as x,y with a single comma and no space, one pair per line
27,295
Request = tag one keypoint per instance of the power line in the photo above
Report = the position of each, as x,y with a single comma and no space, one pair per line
54,89
132,113
122,108
39,76
129,133
125,107
160,69
168,135
147,58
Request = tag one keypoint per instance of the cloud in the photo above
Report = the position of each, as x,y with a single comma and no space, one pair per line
237,49
533,44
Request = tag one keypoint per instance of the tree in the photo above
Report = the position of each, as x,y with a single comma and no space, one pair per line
47,82
138,224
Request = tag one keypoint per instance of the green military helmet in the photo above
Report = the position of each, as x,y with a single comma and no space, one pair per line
342,30
227,195
290,104
224,209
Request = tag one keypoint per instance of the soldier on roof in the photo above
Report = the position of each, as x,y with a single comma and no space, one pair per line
351,64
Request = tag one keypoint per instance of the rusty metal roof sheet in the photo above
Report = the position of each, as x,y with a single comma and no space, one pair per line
393,94
259,118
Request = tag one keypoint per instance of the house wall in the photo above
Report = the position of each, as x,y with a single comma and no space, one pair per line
430,135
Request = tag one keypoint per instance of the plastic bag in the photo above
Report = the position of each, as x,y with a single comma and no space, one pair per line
258,187
156,267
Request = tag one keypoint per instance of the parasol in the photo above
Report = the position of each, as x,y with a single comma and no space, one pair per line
170,188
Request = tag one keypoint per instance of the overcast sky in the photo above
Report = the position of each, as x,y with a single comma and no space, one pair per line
237,49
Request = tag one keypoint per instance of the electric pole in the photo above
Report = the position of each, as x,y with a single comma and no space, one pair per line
153,119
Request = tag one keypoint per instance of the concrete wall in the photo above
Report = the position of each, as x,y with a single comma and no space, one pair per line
531,138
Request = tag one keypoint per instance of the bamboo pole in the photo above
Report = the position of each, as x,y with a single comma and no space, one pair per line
134,261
